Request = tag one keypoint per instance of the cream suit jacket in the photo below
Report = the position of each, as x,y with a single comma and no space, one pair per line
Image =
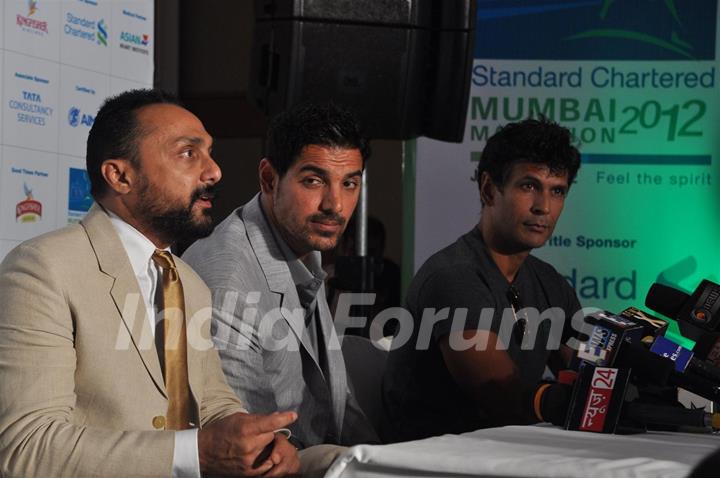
81,389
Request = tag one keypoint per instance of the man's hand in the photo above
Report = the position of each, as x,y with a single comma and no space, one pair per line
285,458
231,446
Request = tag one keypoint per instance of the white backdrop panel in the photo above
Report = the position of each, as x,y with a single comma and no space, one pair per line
448,200
133,40
33,28
2,22
30,91
118,85
83,93
85,38
28,184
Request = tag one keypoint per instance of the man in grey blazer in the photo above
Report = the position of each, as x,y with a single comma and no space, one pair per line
83,389
271,320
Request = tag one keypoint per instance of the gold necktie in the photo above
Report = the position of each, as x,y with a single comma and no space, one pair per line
174,340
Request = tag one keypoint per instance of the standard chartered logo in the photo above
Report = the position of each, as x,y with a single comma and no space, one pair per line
102,34
86,29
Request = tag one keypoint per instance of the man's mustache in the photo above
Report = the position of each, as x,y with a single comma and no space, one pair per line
328,218
209,192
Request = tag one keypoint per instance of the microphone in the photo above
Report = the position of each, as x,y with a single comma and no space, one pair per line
645,414
616,348
625,349
597,399
665,300
698,315
652,325
550,402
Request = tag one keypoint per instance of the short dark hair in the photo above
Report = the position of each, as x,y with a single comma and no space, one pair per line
325,124
116,131
539,141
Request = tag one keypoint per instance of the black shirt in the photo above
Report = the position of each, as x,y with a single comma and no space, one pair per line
420,396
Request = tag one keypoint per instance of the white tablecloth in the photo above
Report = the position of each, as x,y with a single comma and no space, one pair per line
536,451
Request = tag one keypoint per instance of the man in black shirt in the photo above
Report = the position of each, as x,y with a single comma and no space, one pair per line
488,317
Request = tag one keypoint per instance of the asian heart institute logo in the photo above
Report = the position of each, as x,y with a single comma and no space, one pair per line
32,25
135,42
29,209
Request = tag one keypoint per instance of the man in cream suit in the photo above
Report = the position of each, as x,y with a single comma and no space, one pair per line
272,323
84,390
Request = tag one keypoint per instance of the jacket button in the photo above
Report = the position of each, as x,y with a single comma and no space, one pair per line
159,422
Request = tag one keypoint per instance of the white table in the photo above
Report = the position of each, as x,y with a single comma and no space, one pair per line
536,451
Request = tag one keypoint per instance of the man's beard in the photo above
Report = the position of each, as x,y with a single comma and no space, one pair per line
177,224
308,235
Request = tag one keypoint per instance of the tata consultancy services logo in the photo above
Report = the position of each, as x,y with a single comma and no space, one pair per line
31,25
29,209
76,117
102,33
134,42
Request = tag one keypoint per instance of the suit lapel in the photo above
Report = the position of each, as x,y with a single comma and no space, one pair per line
275,268
337,378
192,320
125,292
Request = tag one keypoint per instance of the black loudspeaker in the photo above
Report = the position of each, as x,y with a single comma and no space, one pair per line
403,66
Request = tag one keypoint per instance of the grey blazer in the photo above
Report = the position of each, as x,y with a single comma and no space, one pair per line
259,329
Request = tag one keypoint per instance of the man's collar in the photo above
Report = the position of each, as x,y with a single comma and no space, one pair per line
138,247
301,271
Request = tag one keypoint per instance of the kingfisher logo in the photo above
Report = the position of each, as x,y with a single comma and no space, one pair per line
76,118
29,209
102,33
134,42
31,25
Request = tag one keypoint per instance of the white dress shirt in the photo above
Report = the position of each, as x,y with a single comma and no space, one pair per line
186,463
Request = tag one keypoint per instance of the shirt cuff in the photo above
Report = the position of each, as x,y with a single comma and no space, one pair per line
186,463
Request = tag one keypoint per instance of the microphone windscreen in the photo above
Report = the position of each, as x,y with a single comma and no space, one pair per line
646,366
665,300
554,402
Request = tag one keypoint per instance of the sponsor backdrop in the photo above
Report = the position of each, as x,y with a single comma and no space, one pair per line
59,59
637,83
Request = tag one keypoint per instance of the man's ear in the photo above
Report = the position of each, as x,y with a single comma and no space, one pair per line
118,174
268,176
488,190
